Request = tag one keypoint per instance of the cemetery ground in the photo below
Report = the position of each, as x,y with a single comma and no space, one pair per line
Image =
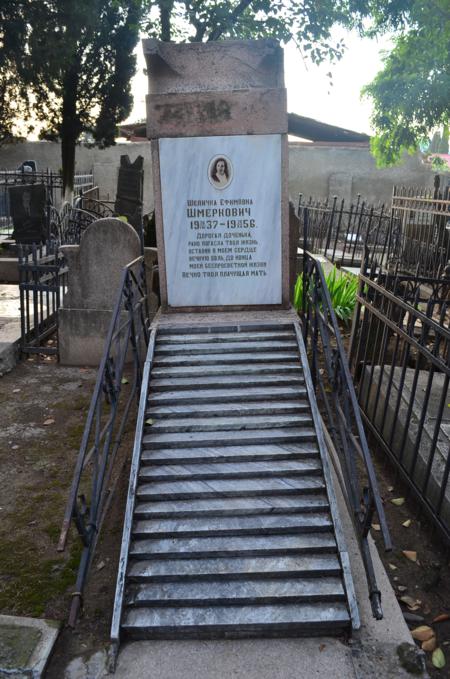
44,407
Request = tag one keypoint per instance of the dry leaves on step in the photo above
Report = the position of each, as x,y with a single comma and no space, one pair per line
413,604
422,633
429,645
412,556
442,617
407,523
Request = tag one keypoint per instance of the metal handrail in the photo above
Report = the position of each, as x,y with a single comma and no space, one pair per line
128,332
335,391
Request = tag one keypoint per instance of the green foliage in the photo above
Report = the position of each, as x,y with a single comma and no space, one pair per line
76,58
343,288
410,94
309,24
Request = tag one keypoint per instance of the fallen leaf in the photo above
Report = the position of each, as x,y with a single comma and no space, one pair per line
124,380
49,421
402,588
15,391
392,567
100,565
438,659
412,556
429,645
376,526
407,523
442,617
83,370
321,647
148,421
413,604
398,501
422,633
390,488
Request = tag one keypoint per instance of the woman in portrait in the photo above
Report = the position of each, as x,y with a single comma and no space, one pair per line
219,173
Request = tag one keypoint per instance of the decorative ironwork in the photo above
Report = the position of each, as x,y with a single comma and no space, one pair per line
109,412
340,234
424,216
341,414
42,285
400,356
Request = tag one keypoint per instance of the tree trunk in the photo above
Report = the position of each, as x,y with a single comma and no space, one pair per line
165,10
70,130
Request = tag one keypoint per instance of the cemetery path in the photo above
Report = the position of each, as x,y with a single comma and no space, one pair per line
36,462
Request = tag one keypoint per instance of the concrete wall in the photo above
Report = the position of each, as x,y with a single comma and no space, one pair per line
319,170
103,162
323,170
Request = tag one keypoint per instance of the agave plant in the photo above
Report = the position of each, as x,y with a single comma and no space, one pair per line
342,287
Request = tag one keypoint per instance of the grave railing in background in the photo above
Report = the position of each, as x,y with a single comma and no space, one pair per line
42,284
340,233
51,180
400,359
110,411
424,219
338,405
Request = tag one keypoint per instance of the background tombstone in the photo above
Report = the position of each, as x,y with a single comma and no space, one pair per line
130,190
28,211
216,114
95,269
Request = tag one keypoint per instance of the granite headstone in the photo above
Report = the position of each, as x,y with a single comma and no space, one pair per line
28,211
130,188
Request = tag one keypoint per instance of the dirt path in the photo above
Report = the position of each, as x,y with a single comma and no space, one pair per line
43,409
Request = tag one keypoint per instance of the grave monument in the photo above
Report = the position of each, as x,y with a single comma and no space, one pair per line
219,149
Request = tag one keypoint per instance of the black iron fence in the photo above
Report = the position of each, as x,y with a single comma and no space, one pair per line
110,409
400,358
42,285
423,216
340,411
53,185
340,233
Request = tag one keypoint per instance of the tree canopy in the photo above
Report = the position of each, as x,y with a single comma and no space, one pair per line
411,93
76,61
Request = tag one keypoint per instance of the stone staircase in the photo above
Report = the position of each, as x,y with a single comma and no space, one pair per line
232,528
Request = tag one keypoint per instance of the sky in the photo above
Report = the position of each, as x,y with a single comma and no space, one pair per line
308,88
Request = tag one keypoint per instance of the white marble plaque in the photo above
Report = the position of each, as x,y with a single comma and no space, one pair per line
221,204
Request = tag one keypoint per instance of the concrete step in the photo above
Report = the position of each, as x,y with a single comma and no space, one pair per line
265,524
234,593
231,409
230,470
211,393
245,453
227,424
219,371
236,621
226,359
232,506
231,438
282,336
248,545
205,348
260,487
234,568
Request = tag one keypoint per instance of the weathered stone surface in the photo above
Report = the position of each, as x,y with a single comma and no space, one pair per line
193,114
231,65
95,266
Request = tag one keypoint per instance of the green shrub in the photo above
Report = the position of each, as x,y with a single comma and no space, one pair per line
343,288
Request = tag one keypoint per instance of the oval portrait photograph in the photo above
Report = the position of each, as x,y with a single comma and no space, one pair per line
220,172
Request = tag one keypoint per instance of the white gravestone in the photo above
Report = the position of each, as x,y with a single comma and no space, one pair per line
221,206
